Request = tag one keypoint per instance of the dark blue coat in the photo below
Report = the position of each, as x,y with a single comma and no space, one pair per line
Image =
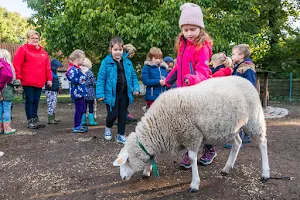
246,69
55,81
151,75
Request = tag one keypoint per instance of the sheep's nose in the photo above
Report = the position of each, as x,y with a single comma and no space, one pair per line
124,177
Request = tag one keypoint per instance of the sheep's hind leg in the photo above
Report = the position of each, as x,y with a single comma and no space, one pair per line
236,144
194,187
264,158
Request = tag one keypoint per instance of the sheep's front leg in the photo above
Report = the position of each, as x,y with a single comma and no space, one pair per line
194,187
147,170
264,158
236,144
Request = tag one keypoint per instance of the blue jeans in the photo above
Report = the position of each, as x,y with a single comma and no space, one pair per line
32,99
5,111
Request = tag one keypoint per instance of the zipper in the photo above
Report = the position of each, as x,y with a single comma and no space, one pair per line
181,78
191,68
151,91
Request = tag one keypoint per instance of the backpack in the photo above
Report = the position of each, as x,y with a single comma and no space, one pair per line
6,74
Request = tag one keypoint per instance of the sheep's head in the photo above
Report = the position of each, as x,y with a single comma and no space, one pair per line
126,170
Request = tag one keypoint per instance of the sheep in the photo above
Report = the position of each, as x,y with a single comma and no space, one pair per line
213,110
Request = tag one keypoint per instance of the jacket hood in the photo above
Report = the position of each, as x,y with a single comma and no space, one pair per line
245,65
151,64
55,64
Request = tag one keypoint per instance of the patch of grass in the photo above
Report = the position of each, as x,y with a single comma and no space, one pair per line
62,98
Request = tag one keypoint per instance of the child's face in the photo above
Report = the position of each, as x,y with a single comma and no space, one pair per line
156,60
170,64
117,52
237,56
79,61
190,32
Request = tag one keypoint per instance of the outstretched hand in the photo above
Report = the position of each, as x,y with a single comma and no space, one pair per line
100,99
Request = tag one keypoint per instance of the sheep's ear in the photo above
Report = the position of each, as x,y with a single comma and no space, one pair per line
122,158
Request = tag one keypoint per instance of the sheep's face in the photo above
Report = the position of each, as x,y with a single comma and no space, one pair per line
126,170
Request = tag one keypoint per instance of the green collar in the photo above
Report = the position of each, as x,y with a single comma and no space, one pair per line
154,166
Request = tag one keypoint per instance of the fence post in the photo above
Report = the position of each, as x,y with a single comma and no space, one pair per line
291,86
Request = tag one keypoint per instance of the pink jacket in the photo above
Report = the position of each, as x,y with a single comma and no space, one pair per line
191,64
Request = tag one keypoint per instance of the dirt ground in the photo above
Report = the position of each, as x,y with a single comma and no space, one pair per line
52,163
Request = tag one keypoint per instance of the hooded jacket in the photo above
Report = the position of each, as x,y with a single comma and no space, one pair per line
192,64
220,71
246,69
151,76
55,64
32,66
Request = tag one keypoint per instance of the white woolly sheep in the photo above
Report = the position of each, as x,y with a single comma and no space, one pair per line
214,110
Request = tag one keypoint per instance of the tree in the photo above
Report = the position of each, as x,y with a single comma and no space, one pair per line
13,27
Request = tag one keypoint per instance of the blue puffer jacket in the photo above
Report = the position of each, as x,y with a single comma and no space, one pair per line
107,80
151,75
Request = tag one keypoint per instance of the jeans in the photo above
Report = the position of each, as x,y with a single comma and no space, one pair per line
118,111
79,110
32,99
5,111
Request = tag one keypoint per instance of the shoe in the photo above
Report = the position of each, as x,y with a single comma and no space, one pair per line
51,120
31,124
130,119
186,163
79,129
107,134
92,119
1,128
7,128
229,146
83,119
38,123
85,128
246,139
121,138
56,120
208,156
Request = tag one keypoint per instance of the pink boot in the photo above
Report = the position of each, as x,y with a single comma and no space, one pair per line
7,128
1,128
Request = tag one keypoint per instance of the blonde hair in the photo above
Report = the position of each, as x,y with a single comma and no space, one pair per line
129,48
243,49
222,59
76,54
7,57
200,40
87,63
154,52
31,33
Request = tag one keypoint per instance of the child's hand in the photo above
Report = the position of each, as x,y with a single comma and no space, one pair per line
187,81
136,93
100,99
49,83
162,82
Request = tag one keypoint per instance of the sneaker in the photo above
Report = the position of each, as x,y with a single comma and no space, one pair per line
107,134
246,139
85,128
38,123
130,119
121,138
31,124
186,163
229,146
78,129
208,156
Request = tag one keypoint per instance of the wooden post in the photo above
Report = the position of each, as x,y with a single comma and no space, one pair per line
265,93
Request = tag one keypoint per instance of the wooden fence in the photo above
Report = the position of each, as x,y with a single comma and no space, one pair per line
12,48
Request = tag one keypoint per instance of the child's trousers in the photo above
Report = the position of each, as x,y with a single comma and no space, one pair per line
5,111
79,110
90,104
51,101
118,111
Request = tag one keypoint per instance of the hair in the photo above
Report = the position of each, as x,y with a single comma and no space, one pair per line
154,52
129,48
200,40
32,32
116,40
87,63
243,49
76,54
7,57
222,59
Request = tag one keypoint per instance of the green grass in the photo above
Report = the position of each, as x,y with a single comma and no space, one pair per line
62,98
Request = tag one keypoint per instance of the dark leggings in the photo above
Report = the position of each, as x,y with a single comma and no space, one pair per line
90,104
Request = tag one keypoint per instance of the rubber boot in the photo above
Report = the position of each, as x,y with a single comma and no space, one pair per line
57,120
83,119
7,128
92,119
51,120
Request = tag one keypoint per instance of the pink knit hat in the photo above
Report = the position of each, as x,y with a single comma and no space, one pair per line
191,14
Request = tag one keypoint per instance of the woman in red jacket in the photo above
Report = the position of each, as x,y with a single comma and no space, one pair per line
32,66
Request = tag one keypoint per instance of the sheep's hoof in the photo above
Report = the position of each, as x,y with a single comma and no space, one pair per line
224,173
190,190
264,180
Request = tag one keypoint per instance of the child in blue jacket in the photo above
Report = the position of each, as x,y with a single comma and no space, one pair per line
77,89
154,74
117,84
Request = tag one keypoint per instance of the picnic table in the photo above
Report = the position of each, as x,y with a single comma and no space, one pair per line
264,95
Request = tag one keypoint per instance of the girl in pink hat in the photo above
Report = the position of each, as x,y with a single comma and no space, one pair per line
194,49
